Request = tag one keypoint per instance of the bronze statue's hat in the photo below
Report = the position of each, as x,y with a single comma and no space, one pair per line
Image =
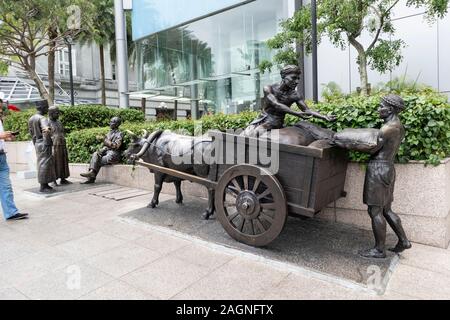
41,103
394,100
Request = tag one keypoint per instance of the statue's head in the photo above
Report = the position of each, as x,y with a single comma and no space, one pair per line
290,76
391,104
42,106
115,123
53,113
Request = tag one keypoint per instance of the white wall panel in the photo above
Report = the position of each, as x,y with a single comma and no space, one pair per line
444,55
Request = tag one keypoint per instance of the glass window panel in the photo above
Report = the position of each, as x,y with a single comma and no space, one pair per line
214,59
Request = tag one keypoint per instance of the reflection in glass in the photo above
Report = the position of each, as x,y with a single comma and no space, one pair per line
214,60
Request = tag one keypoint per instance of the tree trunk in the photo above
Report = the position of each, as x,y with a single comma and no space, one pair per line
30,68
362,66
53,34
102,73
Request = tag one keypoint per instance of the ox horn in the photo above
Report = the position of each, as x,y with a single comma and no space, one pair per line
145,133
131,133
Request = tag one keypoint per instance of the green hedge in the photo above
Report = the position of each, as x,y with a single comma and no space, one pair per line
74,118
81,144
426,119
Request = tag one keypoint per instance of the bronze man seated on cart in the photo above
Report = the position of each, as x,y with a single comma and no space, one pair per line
277,101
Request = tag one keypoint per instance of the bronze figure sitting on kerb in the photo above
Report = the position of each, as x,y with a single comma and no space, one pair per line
380,174
276,105
109,154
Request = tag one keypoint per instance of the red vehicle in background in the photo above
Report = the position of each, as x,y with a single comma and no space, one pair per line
13,108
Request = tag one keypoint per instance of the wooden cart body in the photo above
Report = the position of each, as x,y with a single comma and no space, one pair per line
311,178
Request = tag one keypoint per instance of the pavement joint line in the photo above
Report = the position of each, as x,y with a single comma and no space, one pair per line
390,271
205,276
411,265
404,294
109,282
29,298
282,266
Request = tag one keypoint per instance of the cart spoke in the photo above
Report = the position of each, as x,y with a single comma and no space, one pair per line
236,185
264,194
268,206
259,225
266,217
233,216
245,178
256,184
232,191
228,204
240,227
253,230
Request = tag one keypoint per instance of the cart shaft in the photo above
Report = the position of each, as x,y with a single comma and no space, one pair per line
178,174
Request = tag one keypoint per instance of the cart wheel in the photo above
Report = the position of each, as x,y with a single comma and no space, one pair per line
251,205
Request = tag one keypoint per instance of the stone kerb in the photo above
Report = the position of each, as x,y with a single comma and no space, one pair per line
421,198
422,194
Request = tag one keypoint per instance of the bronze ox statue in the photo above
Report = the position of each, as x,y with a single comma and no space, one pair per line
182,153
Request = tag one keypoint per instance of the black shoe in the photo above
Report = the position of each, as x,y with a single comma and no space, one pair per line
91,174
372,253
46,189
89,181
19,216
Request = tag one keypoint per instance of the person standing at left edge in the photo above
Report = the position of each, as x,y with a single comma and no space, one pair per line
9,208
40,132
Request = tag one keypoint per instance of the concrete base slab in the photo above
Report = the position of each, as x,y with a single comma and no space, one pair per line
76,186
320,246
120,194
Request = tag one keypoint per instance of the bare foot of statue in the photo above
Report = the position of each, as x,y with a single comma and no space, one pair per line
372,253
64,181
401,246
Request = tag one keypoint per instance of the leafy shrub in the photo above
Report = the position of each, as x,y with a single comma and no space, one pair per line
18,121
81,144
331,91
92,116
74,118
426,119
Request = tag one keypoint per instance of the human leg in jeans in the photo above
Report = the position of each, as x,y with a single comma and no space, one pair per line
6,192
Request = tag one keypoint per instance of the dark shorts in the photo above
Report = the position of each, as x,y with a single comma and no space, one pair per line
379,183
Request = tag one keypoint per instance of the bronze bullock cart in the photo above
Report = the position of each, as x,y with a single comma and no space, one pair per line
251,203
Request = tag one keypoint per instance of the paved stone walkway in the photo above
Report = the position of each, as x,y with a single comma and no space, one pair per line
76,246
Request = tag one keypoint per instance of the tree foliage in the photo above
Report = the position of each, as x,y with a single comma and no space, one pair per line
3,68
24,31
343,22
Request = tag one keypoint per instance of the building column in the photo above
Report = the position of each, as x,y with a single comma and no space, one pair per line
300,49
122,53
